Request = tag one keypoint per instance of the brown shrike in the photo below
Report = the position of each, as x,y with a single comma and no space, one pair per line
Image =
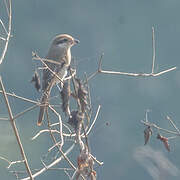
60,51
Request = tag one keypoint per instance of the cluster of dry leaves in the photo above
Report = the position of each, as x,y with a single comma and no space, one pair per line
79,117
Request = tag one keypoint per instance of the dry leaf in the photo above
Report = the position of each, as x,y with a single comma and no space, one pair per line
36,80
82,95
76,119
147,134
65,96
165,141
85,164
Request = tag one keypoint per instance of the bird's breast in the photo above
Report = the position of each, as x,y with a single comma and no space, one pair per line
68,57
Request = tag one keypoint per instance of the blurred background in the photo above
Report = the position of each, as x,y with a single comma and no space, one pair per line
122,30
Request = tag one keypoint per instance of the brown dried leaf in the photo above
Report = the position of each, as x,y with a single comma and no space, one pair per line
36,80
76,119
165,141
85,164
65,96
147,134
93,175
82,95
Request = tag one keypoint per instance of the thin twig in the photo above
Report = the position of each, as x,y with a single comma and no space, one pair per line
97,113
2,38
98,162
59,148
171,121
19,97
4,119
16,133
138,74
152,74
67,174
89,94
54,145
60,125
14,162
100,62
154,50
3,27
3,158
7,7
55,124
10,162
26,110
8,34
159,128
52,164
43,131
70,77
55,74
99,68
36,57
74,174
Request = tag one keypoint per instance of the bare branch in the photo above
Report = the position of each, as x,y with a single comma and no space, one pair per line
152,74
1,22
59,148
173,124
8,34
97,113
4,119
60,125
98,162
2,38
52,164
20,97
43,131
154,50
138,74
25,111
159,128
13,124
11,162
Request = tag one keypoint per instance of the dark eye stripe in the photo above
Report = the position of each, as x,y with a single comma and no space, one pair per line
61,41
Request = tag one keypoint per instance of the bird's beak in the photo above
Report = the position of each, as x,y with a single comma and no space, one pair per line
76,41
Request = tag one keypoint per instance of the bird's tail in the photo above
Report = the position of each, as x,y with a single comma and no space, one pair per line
43,107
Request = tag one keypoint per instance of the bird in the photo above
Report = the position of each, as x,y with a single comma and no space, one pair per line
60,52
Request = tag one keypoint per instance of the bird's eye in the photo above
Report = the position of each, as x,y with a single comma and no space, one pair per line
65,40
61,41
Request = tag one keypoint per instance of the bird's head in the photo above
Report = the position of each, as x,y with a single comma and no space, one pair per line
64,41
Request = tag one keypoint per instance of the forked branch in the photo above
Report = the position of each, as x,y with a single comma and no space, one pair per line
152,74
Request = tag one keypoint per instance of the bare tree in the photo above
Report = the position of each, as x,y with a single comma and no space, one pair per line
81,118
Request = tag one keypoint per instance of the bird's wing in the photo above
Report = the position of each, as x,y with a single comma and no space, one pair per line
48,76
